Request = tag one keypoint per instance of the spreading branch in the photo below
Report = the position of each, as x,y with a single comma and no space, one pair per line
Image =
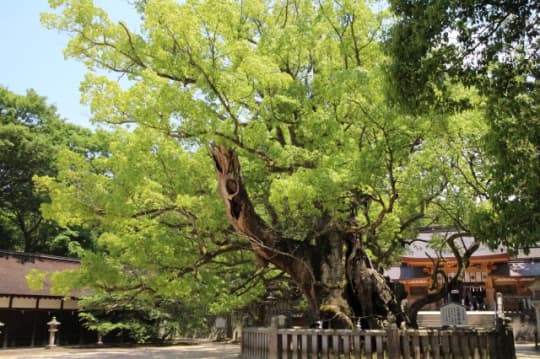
440,291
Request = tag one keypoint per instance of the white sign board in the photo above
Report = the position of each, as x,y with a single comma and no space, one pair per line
221,323
453,314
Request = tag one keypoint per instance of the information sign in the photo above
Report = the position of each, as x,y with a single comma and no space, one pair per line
453,314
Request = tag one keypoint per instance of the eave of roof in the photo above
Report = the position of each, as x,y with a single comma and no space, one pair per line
493,258
50,257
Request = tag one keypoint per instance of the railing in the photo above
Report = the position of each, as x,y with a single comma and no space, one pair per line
270,343
256,342
476,319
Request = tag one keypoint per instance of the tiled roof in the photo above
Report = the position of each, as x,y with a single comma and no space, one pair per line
532,253
15,266
421,248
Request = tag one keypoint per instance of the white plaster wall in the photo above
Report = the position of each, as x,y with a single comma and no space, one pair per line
4,302
21,302
71,304
50,303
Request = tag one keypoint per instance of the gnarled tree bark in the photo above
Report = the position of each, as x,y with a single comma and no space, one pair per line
265,243
333,273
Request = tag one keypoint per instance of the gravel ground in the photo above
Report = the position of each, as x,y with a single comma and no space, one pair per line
527,351
200,351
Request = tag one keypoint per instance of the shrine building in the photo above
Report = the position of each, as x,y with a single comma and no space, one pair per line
489,272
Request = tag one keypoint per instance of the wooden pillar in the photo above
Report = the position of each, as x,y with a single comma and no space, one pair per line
392,337
273,343
33,339
490,293
5,344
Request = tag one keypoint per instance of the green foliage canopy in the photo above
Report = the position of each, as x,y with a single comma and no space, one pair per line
298,89
492,47
31,133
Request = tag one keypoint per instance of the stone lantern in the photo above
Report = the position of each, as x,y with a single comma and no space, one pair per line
53,328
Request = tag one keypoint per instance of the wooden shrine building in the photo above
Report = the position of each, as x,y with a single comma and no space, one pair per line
25,312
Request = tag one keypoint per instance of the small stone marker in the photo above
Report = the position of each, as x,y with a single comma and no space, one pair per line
453,314
282,321
278,321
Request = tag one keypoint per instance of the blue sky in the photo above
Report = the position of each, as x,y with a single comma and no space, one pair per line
32,56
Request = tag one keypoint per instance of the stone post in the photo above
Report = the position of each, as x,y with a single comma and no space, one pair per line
53,329
500,309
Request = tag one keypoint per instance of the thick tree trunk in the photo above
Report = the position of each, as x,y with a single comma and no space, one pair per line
335,275
328,268
371,296
265,243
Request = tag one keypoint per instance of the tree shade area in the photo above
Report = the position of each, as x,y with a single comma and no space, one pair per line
332,134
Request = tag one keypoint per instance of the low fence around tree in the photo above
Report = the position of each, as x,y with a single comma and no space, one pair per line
393,343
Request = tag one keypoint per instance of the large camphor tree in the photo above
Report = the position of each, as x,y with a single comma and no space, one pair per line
283,107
